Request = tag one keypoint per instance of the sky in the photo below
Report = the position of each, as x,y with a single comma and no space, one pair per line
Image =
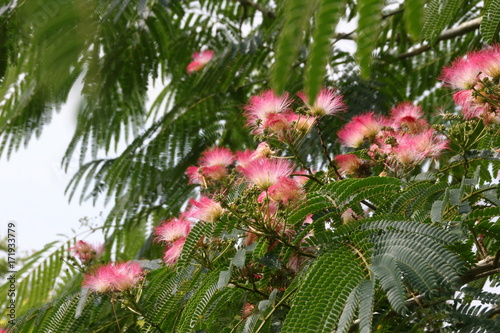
32,185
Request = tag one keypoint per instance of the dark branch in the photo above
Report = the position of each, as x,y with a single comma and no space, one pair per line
447,34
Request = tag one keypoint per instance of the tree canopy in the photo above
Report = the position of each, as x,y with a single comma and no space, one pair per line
421,224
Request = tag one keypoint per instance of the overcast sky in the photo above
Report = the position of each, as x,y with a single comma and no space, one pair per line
32,186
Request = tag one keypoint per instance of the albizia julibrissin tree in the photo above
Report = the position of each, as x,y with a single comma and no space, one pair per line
278,183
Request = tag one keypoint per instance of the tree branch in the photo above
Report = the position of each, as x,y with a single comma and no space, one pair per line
447,34
266,12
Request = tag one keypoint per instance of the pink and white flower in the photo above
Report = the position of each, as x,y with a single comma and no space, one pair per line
86,252
365,126
265,172
348,163
200,59
217,156
286,190
463,73
171,230
260,107
114,277
328,102
408,117
205,209
174,251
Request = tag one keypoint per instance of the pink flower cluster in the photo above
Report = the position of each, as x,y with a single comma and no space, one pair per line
86,252
116,277
200,59
270,174
174,232
476,77
269,113
403,138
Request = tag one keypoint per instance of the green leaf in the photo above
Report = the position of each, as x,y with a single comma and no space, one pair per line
413,15
438,15
326,20
329,281
296,18
490,25
367,32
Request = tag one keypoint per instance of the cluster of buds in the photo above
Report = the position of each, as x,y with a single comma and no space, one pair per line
402,139
476,77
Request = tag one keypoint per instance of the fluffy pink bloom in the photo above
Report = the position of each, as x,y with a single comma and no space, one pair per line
85,251
327,103
470,107
205,209
412,149
171,230
285,190
200,59
262,106
361,127
217,156
408,116
174,251
490,62
116,278
463,73
348,163
194,175
265,172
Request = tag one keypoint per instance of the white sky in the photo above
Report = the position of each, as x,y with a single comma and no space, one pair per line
32,186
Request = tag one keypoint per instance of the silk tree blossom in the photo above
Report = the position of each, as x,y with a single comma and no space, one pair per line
86,252
408,117
362,127
328,102
413,149
348,163
265,172
200,59
213,166
286,190
261,107
116,277
205,209
463,73
217,156
171,230
174,251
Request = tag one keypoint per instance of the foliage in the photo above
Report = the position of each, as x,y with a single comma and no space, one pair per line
387,252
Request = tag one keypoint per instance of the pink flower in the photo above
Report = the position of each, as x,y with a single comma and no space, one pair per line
328,102
285,190
463,73
194,175
348,163
217,156
490,62
200,60
115,278
174,251
470,107
171,230
85,251
412,149
407,116
361,127
265,172
205,209
261,107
